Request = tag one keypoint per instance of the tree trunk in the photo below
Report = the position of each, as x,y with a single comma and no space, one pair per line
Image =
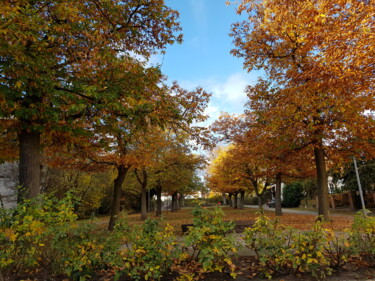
144,203
143,182
178,201
235,196
230,200
158,200
278,211
117,192
322,180
224,199
173,203
242,199
29,165
260,203
181,201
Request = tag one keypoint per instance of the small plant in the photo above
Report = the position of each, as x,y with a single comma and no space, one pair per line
337,249
362,238
308,250
271,243
282,250
42,234
209,242
149,253
26,232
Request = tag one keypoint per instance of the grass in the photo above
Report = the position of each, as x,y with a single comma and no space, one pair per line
184,216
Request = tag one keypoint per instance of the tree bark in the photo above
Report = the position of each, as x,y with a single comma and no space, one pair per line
29,165
235,196
117,192
260,203
158,200
278,211
143,183
322,180
178,201
182,201
242,199
144,203
230,200
224,199
173,203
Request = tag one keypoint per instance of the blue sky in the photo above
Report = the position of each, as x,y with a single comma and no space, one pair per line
204,58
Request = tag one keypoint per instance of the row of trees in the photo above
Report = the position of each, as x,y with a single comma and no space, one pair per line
315,102
76,90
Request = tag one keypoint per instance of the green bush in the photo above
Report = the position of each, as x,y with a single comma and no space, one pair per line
282,250
362,238
210,242
292,195
43,234
26,233
150,251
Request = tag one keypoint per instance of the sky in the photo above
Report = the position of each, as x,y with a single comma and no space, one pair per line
204,59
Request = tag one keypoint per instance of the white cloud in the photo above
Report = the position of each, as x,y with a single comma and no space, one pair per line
228,95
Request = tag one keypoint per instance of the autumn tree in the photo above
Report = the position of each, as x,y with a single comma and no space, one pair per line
259,152
130,132
52,57
174,168
235,171
317,53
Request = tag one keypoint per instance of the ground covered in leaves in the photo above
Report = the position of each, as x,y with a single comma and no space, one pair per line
184,216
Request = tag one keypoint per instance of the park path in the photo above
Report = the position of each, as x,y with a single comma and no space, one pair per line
292,211
284,210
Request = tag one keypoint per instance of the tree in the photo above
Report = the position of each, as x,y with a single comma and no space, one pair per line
222,175
259,152
319,103
174,168
52,57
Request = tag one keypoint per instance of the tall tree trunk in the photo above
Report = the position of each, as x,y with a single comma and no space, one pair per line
149,201
242,199
158,200
224,199
143,182
173,203
230,200
182,201
278,211
178,196
235,196
260,203
144,203
29,165
322,180
117,192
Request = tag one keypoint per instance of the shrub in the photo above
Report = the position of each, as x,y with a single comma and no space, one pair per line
292,195
271,243
362,237
282,250
209,242
26,230
42,235
337,249
149,253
